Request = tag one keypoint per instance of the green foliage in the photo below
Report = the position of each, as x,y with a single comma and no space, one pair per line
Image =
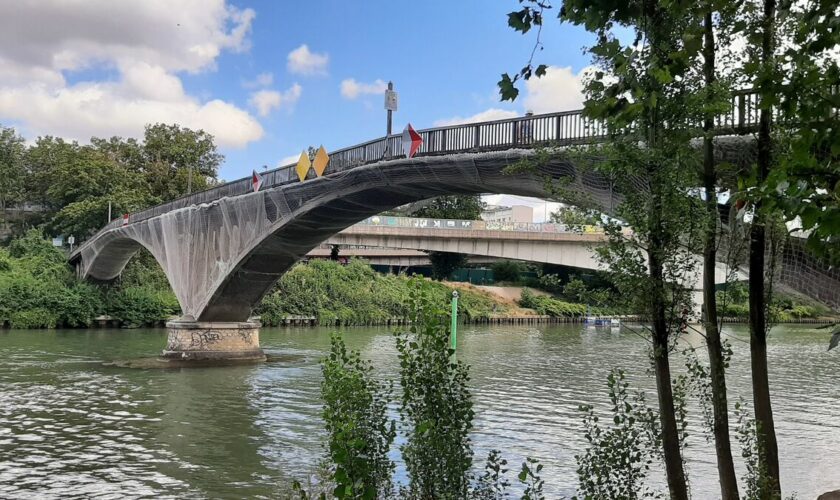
462,206
529,476
575,218
492,484
356,420
445,263
435,405
621,450
174,154
755,477
76,183
733,303
508,270
355,294
12,167
38,289
137,306
551,306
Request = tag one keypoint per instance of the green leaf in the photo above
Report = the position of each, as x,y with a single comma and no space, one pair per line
507,89
520,20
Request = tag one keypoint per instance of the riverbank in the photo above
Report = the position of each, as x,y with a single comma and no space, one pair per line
38,289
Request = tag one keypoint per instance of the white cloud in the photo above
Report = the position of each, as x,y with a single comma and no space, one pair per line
267,100
302,61
288,160
351,89
484,116
261,80
558,90
143,44
123,108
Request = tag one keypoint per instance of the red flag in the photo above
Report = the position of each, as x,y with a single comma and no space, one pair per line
256,181
125,219
411,141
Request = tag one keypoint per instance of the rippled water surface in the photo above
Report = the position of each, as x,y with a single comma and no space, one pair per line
70,425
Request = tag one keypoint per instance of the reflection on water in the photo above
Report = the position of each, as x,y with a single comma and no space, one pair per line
71,425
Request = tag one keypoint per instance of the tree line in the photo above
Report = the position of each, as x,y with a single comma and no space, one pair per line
71,186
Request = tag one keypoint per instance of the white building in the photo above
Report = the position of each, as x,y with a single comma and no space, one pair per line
516,213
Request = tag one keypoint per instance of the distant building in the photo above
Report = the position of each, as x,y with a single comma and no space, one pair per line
516,213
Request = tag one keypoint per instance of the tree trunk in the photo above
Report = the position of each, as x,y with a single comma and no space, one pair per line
670,437
720,407
768,451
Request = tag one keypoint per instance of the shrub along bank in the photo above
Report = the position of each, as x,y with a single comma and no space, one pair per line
355,294
38,289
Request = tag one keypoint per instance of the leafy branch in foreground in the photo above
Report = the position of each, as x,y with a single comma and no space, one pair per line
356,419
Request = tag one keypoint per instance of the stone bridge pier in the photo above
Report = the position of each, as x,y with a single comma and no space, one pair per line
213,341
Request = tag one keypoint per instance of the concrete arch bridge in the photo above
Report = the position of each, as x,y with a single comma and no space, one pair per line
222,249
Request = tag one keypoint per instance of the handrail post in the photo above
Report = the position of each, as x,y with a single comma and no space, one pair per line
515,134
476,136
741,111
557,128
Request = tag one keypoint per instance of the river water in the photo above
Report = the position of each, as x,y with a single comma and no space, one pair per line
70,425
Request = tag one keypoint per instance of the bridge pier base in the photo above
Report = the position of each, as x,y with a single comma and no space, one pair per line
213,341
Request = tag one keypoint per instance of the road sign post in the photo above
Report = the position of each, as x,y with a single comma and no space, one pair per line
391,105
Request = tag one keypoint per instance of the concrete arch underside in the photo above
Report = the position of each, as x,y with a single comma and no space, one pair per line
222,257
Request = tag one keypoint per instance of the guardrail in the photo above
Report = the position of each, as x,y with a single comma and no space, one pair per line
562,129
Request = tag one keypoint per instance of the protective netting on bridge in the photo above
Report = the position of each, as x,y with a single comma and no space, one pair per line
222,256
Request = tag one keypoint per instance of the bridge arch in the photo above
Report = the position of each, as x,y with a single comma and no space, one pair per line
223,255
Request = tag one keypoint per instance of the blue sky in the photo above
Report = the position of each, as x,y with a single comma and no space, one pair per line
269,78
444,58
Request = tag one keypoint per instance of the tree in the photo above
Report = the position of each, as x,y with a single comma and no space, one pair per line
445,263
78,182
179,160
636,89
805,180
574,218
12,170
467,207
711,93
435,405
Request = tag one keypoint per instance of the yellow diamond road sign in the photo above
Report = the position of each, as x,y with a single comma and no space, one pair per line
303,165
321,161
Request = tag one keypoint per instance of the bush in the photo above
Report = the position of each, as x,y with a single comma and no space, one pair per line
552,307
33,318
508,270
354,294
38,288
356,419
138,306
